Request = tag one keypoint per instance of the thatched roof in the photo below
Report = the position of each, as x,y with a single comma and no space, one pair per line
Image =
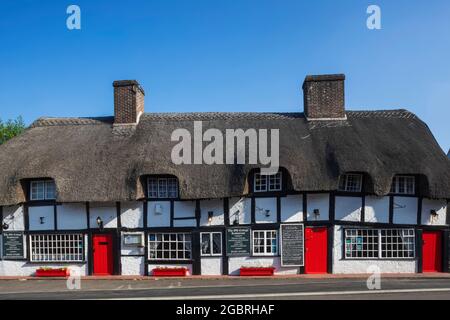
92,160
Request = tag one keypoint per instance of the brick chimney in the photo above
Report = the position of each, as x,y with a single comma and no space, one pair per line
128,101
323,97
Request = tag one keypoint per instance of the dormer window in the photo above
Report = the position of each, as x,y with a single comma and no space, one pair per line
404,185
162,188
267,183
42,190
350,182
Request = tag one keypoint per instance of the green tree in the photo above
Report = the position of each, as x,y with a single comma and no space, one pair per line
10,129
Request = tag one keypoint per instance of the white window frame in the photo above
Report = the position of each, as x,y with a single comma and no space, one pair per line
265,246
163,188
381,254
395,188
347,182
45,184
49,248
163,241
211,244
266,178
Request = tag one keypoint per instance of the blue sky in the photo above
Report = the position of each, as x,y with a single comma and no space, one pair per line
224,55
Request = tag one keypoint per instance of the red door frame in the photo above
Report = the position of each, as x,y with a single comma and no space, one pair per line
316,250
103,248
432,251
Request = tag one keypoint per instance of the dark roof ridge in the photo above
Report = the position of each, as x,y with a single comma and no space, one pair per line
186,116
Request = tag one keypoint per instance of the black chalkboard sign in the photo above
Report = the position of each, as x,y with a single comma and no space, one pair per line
238,242
13,248
292,245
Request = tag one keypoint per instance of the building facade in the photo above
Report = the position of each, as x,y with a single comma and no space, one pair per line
356,189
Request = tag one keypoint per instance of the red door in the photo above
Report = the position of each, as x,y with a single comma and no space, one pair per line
432,251
102,254
316,243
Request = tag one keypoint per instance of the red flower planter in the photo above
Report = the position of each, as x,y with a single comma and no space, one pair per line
173,272
54,273
256,272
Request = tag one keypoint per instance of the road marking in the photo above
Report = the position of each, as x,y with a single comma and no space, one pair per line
285,295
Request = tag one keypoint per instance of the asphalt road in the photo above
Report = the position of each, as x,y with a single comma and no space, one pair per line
235,289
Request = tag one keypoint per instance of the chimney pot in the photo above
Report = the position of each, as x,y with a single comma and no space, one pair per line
324,97
128,101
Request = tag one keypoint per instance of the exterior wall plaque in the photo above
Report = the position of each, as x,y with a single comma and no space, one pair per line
292,245
238,242
13,246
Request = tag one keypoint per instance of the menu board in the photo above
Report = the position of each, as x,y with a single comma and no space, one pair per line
292,245
13,248
238,242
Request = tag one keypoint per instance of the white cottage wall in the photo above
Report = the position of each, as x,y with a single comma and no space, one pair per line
14,218
343,266
292,208
71,216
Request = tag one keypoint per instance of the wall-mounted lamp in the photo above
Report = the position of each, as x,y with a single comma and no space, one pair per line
236,218
5,226
210,216
316,213
100,223
434,213
267,213
41,220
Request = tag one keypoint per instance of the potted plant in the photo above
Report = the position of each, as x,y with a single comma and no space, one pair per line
169,272
52,272
246,271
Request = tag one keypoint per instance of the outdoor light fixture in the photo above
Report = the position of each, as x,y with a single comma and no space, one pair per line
316,212
41,220
5,226
433,213
267,213
236,218
210,216
100,223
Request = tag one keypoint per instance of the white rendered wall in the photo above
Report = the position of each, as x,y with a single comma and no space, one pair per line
235,263
132,214
162,265
184,223
377,209
321,202
184,209
240,207
133,266
405,210
158,220
106,212
211,266
292,208
13,216
342,266
261,207
440,206
216,206
348,208
23,268
47,214
71,216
